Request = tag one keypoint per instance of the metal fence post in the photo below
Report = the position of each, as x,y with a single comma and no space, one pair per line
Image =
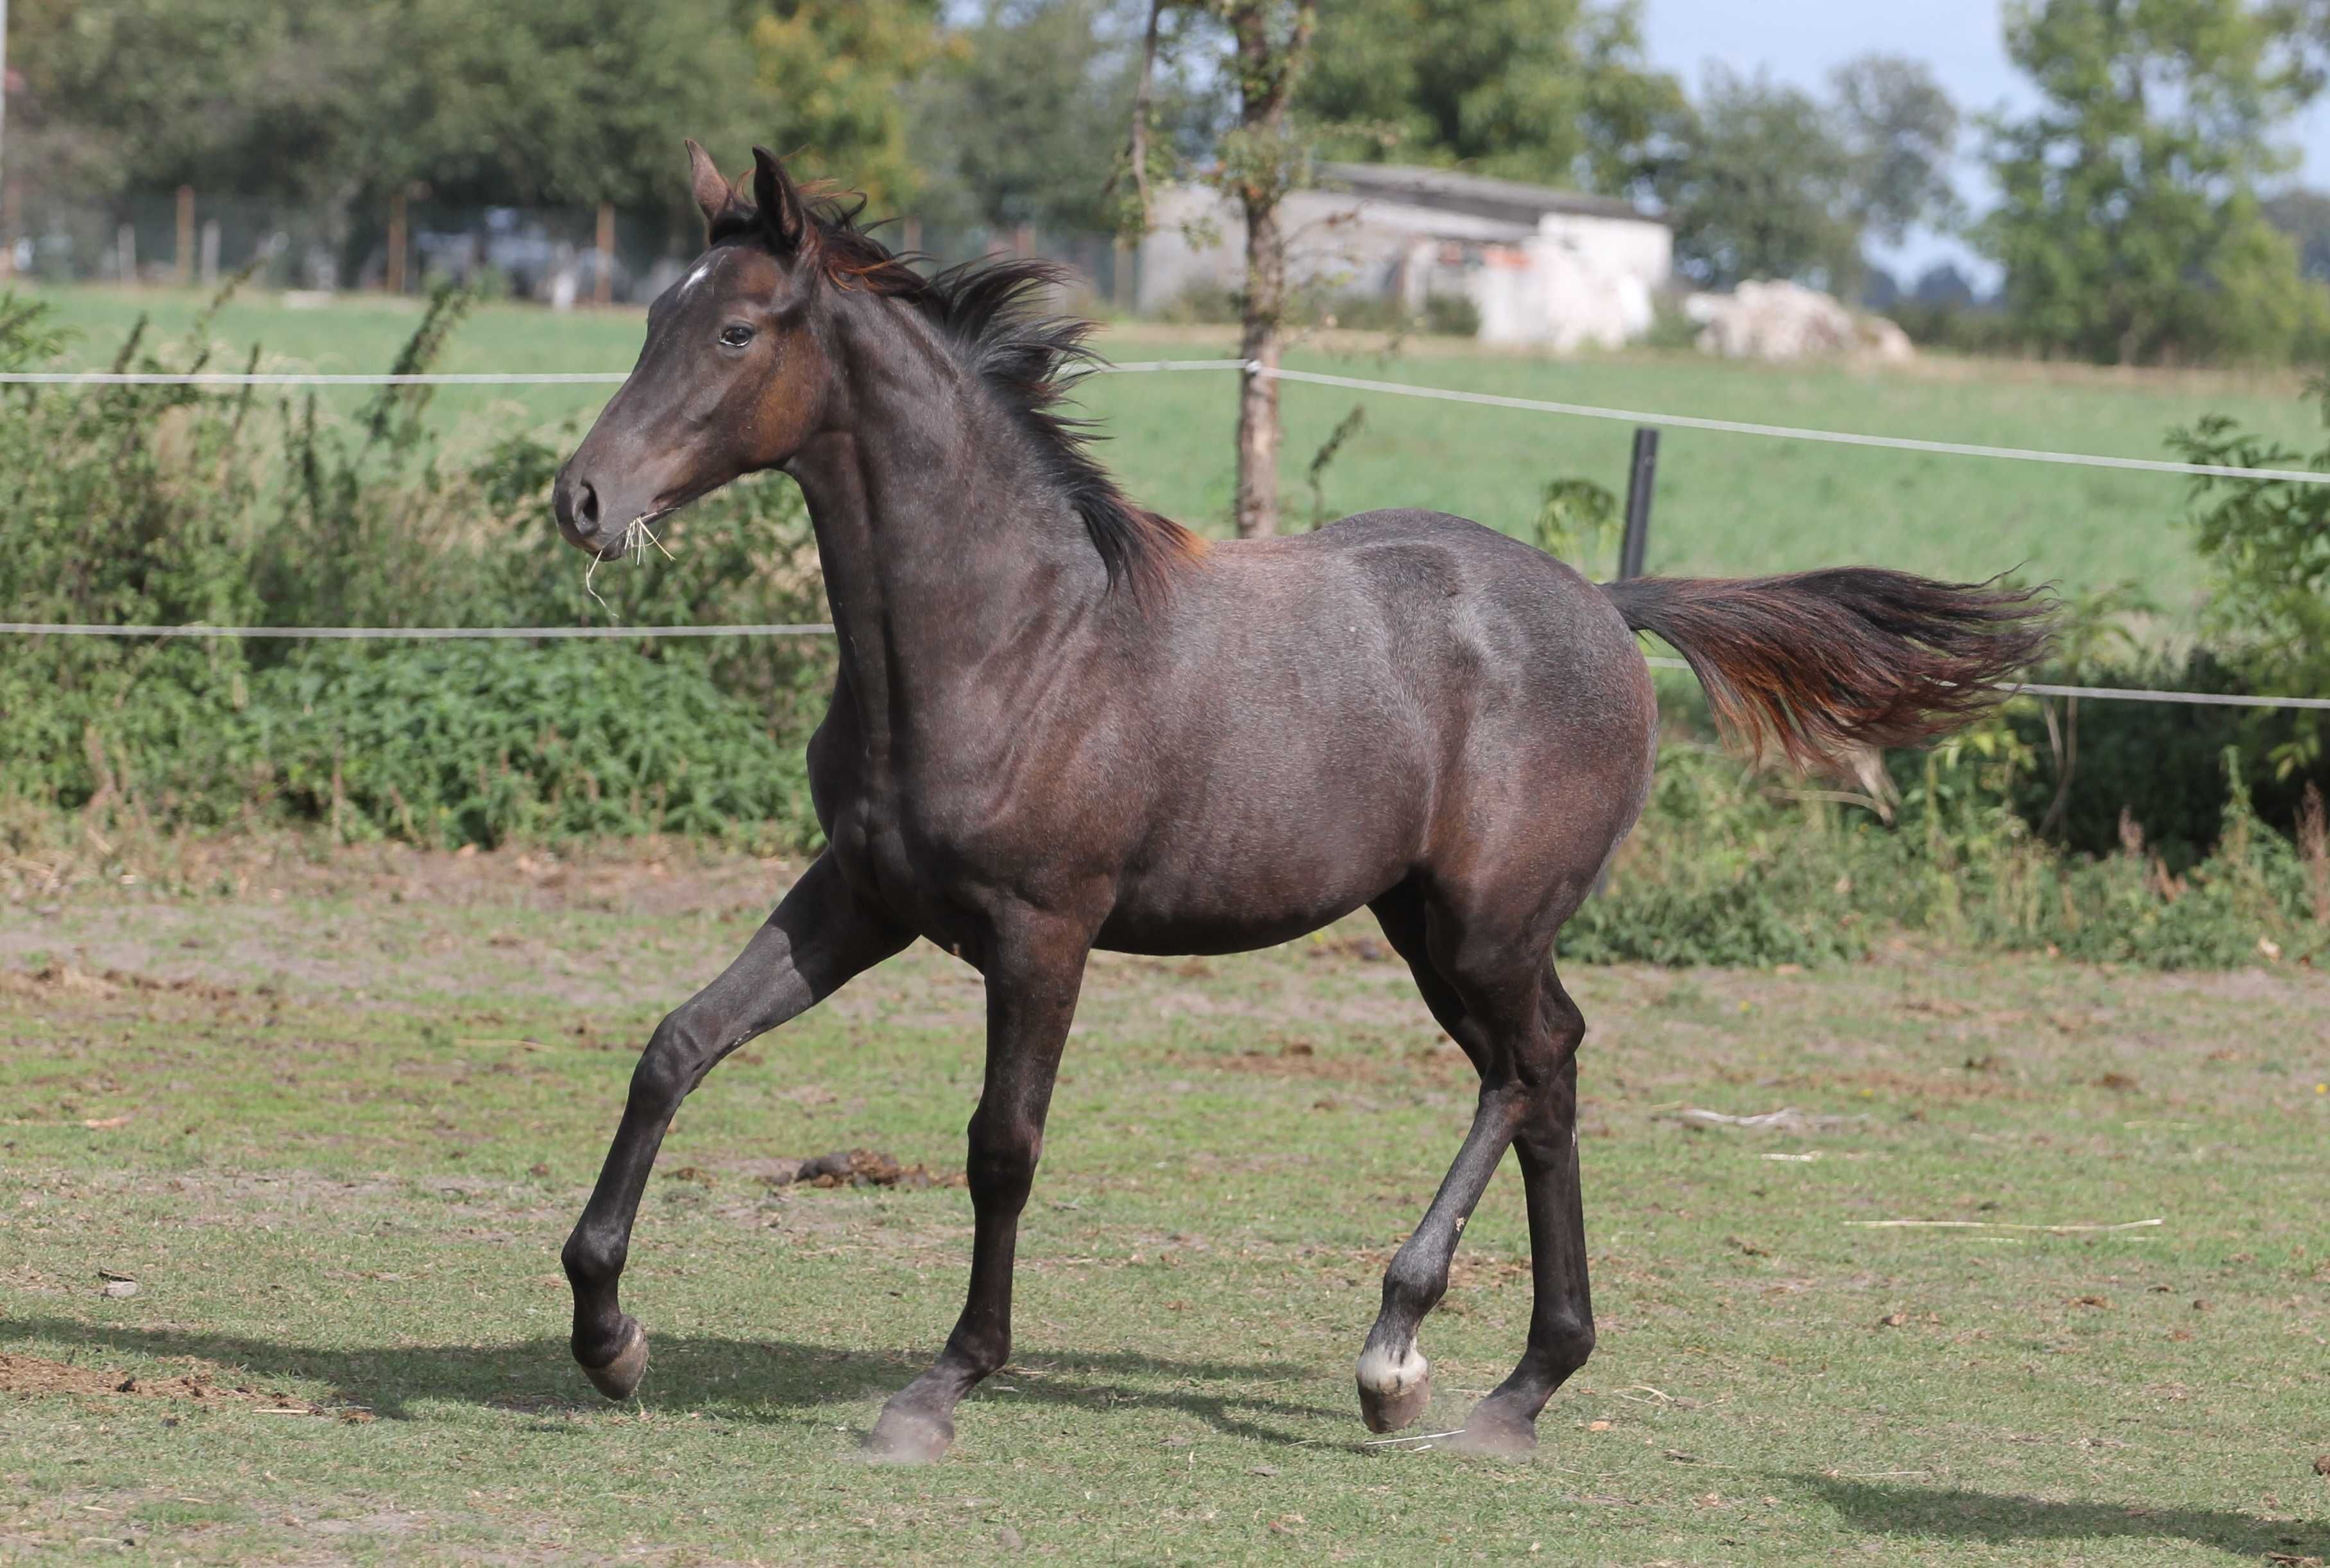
1641,477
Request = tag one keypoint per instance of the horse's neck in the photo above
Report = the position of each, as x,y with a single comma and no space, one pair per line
941,556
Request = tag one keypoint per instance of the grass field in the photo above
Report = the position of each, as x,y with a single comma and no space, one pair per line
1726,504
335,1122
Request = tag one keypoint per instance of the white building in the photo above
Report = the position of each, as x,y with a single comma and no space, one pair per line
1540,265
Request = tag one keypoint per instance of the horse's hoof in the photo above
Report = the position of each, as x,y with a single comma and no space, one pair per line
1393,1389
620,1376
1490,1431
902,1437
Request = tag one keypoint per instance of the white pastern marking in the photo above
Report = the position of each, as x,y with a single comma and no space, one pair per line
1383,1372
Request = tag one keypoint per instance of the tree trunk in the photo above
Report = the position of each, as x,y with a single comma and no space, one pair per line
1259,346
1268,63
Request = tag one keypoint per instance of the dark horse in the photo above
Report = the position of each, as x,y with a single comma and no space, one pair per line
1062,722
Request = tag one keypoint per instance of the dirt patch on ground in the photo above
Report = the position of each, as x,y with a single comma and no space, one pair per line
34,1375
55,979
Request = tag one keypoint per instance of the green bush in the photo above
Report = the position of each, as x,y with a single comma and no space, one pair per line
1731,867
454,743
171,506
1452,316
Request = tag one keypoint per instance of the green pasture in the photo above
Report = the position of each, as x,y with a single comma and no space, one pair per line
1725,503
335,1125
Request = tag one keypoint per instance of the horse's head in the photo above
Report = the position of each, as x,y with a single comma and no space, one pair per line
734,377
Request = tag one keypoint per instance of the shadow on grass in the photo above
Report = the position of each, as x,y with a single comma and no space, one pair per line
737,1379
1995,1518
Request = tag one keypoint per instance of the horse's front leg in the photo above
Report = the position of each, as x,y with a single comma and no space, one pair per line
1032,980
821,934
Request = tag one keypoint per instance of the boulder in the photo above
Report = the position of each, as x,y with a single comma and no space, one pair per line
1785,321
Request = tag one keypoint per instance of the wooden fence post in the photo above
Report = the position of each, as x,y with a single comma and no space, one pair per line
602,286
182,262
394,281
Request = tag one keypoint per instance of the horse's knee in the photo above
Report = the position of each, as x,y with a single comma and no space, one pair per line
678,1054
1001,1168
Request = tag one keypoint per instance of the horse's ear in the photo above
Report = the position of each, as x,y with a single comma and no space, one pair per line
713,193
782,211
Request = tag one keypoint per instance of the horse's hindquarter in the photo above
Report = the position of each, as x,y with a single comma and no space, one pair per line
1400,693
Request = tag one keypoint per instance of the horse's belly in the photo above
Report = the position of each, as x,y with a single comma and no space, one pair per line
1252,894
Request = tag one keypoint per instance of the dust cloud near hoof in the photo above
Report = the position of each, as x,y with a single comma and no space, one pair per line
903,1438
1494,1433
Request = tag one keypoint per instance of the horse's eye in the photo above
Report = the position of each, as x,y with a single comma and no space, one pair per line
735,336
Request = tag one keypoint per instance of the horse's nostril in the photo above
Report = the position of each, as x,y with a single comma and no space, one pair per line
587,507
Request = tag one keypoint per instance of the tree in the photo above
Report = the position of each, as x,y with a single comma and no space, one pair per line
1262,157
835,75
1019,124
1900,130
2304,216
156,94
1555,92
336,102
2129,223
1758,184
569,102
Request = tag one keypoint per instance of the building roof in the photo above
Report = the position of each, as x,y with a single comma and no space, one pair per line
1452,191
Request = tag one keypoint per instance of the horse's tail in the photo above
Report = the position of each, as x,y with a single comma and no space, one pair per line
1829,664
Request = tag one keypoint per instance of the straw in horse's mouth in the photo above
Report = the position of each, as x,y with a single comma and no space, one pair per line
637,536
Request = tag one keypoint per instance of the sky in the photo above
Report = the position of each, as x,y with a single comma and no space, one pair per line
1798,41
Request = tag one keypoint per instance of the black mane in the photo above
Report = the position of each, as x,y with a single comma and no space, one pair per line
992,312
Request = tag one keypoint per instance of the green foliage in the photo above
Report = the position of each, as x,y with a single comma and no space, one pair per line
1452,316
455,743
563,101
1900,130
1759,184
1315,476
1766,181
833,76
1577,522
1728,868
2304,216
1024,119
1718,873
1555,92
2267,546
167,506
2128,221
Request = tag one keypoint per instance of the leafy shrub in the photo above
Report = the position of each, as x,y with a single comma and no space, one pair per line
1451,315
453,743
170,506
2267,546
1730,868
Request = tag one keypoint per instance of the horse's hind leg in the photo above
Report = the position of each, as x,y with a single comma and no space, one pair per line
1561,1321
820,935
1395,1381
